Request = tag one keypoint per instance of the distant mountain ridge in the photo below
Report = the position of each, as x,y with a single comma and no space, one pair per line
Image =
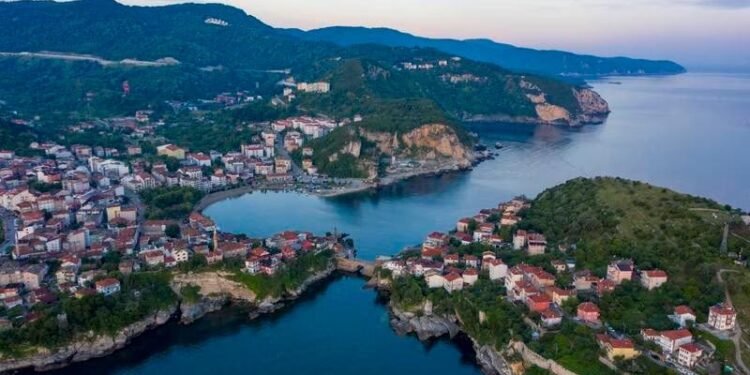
549,62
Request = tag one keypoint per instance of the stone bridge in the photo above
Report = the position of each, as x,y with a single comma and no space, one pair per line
363,267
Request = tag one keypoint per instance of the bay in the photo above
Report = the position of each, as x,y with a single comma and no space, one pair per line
689,132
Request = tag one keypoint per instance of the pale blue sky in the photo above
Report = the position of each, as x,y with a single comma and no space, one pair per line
694,32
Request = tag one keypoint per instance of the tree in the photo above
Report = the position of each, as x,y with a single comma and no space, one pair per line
172,230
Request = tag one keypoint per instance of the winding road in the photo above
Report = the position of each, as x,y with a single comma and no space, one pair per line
737,335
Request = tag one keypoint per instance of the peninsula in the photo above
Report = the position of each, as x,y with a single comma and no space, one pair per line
595,276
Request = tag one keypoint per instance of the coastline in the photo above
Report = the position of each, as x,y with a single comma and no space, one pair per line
361,186
98,346
427,326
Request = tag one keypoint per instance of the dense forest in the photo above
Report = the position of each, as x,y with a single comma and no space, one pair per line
173,203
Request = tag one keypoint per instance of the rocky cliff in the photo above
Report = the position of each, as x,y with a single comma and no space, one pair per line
426,325
85,348
583,106
216,290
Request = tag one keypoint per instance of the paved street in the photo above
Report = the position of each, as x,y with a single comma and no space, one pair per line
9,226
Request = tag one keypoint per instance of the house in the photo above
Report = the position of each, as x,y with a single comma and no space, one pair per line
620,270
722,317
435,240
584,280
558,295
453,282
536,243
13,301
314,87
559,265
550,318
689,354
107,286
171,150
397,267
471,261
434,280
450,259
652,279
498,269
588,312
153,257
519,239
471,275
538,303
463,225
605,286
252,265
683,315
617,348
200,159
33,274
669,341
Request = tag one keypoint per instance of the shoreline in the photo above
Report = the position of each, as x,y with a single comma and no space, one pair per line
218,196
428,327
98,347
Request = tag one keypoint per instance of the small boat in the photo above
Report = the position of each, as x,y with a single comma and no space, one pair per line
498,145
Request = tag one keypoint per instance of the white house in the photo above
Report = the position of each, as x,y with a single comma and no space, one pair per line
683,315
107,286
434,280
498,269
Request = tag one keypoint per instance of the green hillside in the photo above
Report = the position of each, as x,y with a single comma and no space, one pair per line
240,53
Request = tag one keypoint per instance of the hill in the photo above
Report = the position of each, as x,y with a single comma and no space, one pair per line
548,62
190,52
590,223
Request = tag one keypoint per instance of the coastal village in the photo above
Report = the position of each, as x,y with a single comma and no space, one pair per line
75,225
544,293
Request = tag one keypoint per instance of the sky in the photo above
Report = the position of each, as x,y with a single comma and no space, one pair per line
697,33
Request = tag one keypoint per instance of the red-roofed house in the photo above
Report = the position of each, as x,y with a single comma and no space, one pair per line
453,282
722,317
550,318
107,286
682,315
620,270
538,303
689,354
669,341
652,279
617,348
588,312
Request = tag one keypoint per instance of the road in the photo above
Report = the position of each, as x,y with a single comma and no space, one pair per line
737,336
91,58
281,151
9,226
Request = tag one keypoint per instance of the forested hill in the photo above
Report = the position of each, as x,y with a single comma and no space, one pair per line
549,62
114,31
190,52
